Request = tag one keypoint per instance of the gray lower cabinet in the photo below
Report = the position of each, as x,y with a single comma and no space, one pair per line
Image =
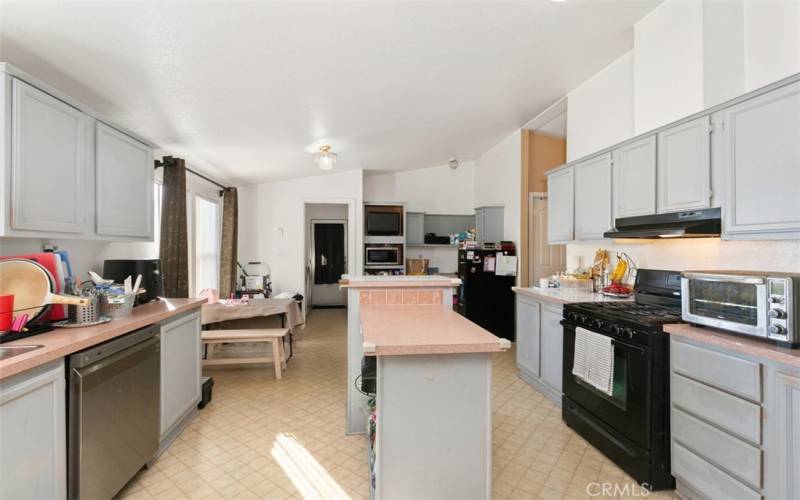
33,449
735,424
539,338
783,432
180,370
761,165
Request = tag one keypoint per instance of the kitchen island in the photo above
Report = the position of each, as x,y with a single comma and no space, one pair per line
429,431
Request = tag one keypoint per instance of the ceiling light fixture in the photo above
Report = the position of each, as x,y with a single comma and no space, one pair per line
325,158
453,163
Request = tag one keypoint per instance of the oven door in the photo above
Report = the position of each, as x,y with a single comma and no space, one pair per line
383,256
735,303
627,409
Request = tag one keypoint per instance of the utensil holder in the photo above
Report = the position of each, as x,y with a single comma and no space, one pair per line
84,314
117,306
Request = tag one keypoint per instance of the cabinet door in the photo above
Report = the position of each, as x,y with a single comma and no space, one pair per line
635,178
552,346
528,338
783,428
480,225
180,368
593,198
761,163
33,434
415,228
48,155
560,192
493,224
124,184
684,166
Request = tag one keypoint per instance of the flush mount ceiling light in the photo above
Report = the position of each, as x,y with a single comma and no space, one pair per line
325,158
453,163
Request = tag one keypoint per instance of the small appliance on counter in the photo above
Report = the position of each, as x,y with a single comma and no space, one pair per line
150,269
757,304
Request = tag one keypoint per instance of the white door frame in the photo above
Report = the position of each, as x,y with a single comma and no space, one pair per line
353,256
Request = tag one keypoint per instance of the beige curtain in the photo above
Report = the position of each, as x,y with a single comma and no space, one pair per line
174,246
229,248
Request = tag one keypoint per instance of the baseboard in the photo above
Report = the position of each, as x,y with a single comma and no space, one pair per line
174,432
329,307
540,386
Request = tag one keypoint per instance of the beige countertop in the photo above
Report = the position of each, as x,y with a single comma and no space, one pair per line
398,282
565,295
745,345
392,330
62,342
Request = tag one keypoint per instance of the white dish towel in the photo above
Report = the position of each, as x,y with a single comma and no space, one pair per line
593,361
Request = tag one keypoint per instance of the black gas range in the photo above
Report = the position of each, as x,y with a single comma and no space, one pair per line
631,425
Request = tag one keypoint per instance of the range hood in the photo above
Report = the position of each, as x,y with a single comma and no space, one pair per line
689,224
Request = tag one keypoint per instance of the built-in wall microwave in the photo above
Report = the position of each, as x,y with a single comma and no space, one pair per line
383,220
383,255
751,303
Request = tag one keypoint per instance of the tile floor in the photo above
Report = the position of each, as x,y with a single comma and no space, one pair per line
267,438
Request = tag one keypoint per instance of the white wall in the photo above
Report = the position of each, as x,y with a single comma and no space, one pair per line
668,69
434,190
772,41
600,111
272,221
498,181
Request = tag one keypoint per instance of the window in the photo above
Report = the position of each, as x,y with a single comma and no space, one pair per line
157,217
206,254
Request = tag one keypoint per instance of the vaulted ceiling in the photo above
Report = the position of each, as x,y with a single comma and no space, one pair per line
246,90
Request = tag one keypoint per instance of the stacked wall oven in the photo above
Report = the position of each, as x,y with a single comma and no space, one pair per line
630,425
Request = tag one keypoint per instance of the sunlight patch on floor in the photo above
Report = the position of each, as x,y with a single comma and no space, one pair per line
304,471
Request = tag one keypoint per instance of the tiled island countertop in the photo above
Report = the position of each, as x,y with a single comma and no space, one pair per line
565,295
745,345
62,342
391,330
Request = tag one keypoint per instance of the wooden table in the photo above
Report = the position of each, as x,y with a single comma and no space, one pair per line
287,309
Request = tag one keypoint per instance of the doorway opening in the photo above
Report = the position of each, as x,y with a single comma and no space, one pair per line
327,255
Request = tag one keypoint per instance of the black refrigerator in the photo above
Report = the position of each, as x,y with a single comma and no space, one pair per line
485,297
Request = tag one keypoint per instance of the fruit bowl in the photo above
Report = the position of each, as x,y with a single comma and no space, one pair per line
617,290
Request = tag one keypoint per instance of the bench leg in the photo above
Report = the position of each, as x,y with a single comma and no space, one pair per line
276,357
283,354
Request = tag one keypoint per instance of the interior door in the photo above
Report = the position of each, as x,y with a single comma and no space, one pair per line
327,293
545,259
48,156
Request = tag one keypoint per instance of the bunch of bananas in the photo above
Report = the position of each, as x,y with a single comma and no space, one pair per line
620,270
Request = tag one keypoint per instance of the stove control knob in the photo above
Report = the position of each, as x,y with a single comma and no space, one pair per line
776,300
776,313
597,323
630,334
582,318
776,330
615,330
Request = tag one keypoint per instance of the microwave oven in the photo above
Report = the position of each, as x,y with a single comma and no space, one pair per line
383,255
759,304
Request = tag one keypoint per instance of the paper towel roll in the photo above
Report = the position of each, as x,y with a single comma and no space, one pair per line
573,263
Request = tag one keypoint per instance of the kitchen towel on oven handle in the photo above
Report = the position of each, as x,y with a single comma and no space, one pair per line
593,361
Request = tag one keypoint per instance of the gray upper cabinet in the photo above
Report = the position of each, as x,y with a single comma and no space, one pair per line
415,228
489,224
684,166
635,178
124,184
761,165
560,206
48,168
593,198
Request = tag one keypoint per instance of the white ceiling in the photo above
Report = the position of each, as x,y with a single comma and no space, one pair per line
245,90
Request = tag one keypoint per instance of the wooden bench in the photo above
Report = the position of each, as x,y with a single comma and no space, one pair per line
273,336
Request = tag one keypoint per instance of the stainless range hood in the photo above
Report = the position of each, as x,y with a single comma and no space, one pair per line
690,224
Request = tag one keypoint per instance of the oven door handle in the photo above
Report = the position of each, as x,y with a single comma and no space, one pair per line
626,345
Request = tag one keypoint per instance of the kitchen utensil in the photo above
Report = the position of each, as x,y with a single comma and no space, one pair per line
99,280
32,287
137,284
82,315
19,323
127,285
6,312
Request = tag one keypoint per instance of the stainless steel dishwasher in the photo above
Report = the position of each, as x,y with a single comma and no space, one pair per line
114,394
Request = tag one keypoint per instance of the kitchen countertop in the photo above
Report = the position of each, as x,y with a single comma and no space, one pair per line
565,295
398,281
745,345
392,330
62,342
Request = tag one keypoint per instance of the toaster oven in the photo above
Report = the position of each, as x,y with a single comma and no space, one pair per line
751,303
